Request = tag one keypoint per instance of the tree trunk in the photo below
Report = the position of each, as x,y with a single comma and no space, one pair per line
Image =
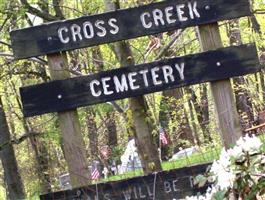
143,135
42,158
112,129
110,116
183,132
224,102
164,120
244,106
193,123
164,109
202,110
40,151
8,158
262,82
72,139
140,119
204,107
93,136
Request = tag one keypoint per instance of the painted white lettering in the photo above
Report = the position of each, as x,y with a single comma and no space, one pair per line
143,20
144,73
61,37
180,69
167,187
120,85
168,73
142,196
175,185
191,182
169,14
155,76
135,193
76,32
181,12
113,24
132,81
107,196
127,194
158,17
193,11
87,26
106,86
102,32
150,193
92,88
90,198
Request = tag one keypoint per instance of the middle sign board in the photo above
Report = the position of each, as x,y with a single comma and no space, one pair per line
131,81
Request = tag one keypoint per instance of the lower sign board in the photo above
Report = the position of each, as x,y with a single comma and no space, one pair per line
167,185
131,81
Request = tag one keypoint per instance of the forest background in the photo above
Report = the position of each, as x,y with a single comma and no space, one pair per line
32,148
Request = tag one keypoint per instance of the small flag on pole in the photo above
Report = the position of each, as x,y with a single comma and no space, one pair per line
95,174
163,136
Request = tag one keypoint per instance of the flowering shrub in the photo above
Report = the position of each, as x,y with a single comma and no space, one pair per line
238,174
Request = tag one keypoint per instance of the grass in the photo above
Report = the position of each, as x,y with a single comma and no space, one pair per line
204,156
195,159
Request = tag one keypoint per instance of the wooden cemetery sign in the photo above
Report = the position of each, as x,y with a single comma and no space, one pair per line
138,80
167,185
123,24
63,95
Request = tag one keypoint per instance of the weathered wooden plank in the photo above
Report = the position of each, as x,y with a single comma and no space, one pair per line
123,24
139,80
223,95
174,184
72,139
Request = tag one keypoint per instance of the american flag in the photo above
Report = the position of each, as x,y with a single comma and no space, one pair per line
163,136
95,174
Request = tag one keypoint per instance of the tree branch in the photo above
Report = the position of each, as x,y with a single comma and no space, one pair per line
12,59
57,9
169,45
44,15
19,140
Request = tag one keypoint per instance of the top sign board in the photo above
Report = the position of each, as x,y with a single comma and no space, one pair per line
123,24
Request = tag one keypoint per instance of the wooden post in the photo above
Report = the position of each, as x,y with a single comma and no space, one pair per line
73,144
224,101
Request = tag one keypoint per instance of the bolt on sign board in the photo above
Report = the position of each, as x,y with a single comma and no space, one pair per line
138,80
123,24
167,185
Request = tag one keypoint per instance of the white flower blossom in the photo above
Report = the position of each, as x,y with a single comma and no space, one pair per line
210,192
236,152
192,198
208,196
215,168
249,144
226,179
224,159
224,170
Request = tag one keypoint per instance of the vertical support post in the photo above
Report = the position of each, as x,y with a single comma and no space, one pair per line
224,101
73,144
